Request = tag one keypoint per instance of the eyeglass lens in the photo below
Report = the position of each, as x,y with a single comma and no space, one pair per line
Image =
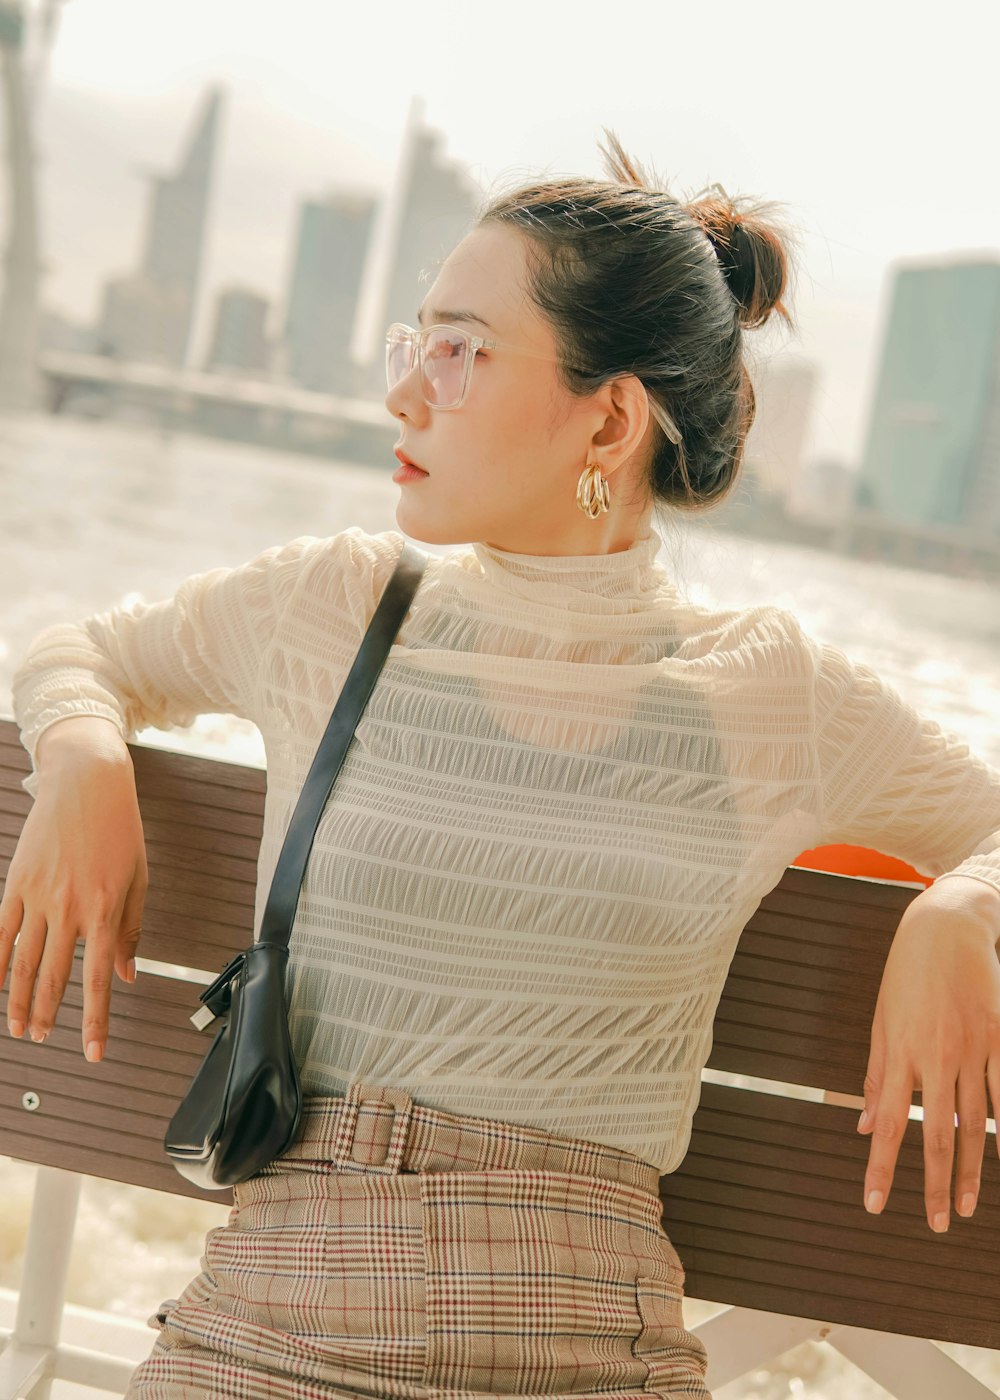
444,361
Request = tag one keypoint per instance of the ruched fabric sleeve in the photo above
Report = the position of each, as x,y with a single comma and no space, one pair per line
162,664
895,780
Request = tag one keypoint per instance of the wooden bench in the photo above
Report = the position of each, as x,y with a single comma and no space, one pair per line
765,1211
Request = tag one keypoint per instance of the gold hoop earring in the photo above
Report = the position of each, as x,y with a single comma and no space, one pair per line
593,495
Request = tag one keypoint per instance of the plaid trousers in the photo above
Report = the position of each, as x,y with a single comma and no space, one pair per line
395,1250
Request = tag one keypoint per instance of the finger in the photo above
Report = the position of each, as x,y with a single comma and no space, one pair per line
873,1081
11,915
888,1128
128,941
51,977
939,1149
23,965
98,962
971,1140
131,929
993,1078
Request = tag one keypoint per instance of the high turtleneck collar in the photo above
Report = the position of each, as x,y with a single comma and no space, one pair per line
629,578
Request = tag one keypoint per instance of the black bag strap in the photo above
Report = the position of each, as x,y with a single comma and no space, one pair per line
283,897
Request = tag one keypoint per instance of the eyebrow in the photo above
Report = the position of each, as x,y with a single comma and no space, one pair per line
440,314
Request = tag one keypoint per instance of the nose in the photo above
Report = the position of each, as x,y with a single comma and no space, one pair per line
405,399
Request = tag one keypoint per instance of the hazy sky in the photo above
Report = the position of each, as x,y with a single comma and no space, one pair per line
875,124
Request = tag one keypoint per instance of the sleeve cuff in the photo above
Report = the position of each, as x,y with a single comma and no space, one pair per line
63,709
984,867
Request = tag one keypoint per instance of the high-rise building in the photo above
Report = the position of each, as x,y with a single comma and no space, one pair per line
933,450
148,315
331,244
431,208
239,335
20,384
784,388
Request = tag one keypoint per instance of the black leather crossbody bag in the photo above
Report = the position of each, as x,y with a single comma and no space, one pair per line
245,1102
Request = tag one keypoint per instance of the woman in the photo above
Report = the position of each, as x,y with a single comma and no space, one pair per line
569,792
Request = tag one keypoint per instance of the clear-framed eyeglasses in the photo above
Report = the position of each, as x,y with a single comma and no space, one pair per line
446,356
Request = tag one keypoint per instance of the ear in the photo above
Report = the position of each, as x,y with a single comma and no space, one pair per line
625,405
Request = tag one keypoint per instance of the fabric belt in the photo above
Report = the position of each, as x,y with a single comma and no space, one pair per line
377,1129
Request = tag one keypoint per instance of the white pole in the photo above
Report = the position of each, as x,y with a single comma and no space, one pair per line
46,1265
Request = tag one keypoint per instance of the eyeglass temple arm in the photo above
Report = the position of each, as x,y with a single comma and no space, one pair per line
664,419
659,413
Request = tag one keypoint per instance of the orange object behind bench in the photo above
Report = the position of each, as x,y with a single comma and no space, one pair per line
860,860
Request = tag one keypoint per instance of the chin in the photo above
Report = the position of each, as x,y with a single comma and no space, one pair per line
427,531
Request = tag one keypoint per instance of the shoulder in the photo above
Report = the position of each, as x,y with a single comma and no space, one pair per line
354,554
761,640
350,556
349,570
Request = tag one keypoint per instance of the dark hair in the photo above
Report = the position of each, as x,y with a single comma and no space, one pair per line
635,282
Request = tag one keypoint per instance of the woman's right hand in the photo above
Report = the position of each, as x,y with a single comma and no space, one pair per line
78,871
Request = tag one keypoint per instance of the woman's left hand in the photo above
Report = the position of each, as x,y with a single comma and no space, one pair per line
937,1028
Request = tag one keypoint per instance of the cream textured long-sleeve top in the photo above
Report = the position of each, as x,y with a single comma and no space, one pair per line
568,793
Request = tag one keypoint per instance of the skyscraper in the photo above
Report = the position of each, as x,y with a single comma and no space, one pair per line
19,381
784,388
933,450
239,335
431,208
148,315
330,248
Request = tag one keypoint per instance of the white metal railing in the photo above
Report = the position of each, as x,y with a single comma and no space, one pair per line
41,1335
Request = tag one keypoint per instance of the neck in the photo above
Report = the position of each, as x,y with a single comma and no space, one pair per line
611,535
619,580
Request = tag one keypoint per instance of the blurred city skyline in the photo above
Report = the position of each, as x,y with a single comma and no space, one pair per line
869,171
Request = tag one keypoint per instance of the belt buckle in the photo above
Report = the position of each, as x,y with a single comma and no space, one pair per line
369,1152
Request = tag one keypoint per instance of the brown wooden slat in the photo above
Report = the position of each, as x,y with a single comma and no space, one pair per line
100,1161
172,908
766,1212
13,807
801,891
199,849
130,1066
156,765
201,869
198,819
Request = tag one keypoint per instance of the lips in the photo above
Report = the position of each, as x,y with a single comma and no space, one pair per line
407,461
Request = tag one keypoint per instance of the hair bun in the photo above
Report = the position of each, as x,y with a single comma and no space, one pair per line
750,249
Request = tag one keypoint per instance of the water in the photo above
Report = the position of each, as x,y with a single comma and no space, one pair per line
93,514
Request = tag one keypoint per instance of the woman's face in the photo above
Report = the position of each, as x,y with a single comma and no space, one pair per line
503,468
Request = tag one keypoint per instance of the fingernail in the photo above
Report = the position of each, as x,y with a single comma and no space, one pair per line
874,1202
967,1204
93,1051
863,1120
16,1027
37,1035
130,970
940,1222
